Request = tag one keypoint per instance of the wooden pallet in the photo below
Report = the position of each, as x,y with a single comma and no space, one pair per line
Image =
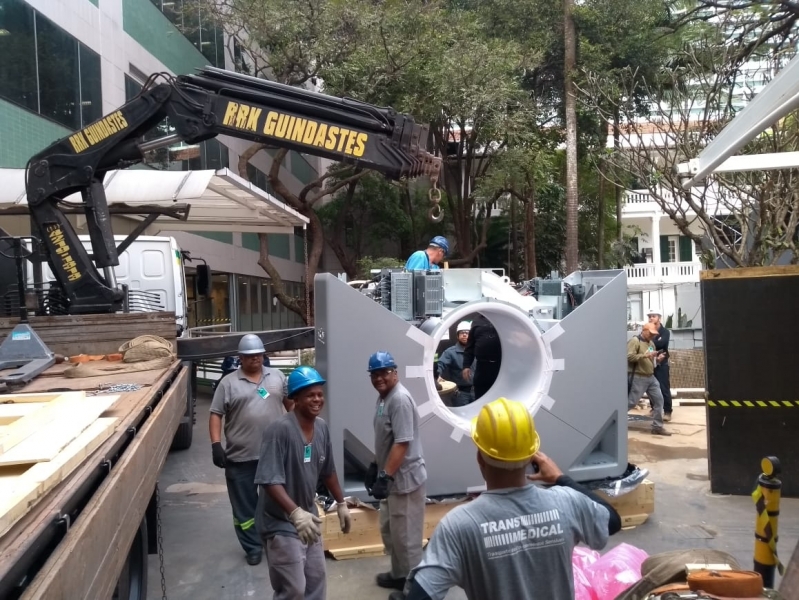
364,539
634,507
43,438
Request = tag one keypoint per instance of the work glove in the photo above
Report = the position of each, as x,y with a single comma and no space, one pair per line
371,477
344,518
218,454
307,525
380,488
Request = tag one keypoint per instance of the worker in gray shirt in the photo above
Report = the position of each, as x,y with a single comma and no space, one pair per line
248,400
295,454
515,540
398,476
450,367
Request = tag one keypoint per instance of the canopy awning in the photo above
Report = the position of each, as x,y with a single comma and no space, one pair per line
218,200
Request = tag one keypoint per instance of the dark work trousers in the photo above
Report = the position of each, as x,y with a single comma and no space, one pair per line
463,397
662,375
485,376
243,493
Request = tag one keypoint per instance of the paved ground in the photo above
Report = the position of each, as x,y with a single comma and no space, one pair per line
204,562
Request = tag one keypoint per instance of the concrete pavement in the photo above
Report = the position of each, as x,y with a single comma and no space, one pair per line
203,560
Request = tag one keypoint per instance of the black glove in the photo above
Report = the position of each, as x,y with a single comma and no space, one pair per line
218,454
371,477
380,488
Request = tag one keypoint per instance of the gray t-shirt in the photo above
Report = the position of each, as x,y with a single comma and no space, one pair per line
248,408
288,461
514,543
396,420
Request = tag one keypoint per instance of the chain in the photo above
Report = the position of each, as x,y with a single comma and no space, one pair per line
307,274
107,388
160,540
436,214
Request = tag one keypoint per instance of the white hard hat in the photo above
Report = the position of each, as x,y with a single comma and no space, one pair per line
464,326
654,311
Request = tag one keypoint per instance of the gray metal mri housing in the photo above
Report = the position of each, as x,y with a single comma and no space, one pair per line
570,373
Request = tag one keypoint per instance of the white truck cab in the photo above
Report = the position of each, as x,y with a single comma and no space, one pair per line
152,268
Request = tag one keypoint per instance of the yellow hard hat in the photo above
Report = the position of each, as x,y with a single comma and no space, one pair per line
505,434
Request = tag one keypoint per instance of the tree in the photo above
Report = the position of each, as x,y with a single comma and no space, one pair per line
291,43
570,105
442,65
744,219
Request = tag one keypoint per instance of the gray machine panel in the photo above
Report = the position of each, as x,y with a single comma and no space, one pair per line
581,416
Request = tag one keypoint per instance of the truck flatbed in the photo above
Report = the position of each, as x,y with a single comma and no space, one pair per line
74,542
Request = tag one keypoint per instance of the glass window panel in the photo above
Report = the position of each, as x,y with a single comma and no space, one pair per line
59,87
245,316
132,88
255,303
18,52
91,91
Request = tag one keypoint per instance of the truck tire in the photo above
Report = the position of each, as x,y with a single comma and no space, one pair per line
185,432
132,582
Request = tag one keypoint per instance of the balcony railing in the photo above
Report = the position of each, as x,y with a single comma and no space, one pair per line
654,273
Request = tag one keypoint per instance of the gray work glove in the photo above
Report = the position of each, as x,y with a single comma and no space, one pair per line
307,525
344,518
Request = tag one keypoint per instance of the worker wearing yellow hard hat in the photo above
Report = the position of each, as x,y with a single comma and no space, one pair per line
515,540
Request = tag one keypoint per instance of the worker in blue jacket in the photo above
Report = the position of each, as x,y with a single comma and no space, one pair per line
426,260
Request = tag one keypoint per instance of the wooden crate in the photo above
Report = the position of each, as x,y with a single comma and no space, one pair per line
634,507
364,537
99,334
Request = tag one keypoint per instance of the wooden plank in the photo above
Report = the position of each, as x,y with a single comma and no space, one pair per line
56,410
41,478
744,272
49,397
82,566
47,442
369,551
11,412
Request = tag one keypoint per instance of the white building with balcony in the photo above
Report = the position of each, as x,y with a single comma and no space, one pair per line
668,276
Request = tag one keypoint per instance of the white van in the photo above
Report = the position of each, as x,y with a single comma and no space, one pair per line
152,268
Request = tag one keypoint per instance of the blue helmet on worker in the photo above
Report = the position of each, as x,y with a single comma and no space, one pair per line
301,378
441,242
381,360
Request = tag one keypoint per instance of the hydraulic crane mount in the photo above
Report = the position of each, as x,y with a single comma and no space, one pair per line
199,107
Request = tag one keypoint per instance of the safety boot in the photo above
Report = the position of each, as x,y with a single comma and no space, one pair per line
660,431
385,580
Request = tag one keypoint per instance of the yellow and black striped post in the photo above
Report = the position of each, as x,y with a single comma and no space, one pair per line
767,501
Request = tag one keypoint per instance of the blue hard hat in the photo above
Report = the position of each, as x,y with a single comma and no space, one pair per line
381,360
442,243
303,377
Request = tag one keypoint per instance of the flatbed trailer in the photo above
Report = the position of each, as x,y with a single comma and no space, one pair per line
89,537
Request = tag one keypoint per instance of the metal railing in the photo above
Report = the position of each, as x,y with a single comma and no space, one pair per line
664,272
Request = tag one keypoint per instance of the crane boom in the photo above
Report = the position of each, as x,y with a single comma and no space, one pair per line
199,107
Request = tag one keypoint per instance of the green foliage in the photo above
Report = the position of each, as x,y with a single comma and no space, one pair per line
367,263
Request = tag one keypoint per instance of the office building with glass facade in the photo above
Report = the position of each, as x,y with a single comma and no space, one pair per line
65,63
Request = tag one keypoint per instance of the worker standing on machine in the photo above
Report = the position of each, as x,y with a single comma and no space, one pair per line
425,260
249,399
296,454
450,366
398,477
485,347
662,362
516,539
641,360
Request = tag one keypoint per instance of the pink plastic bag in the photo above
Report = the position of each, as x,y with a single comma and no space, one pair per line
615,571
582,558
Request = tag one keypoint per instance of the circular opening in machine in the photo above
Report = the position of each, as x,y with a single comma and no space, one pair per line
522,373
